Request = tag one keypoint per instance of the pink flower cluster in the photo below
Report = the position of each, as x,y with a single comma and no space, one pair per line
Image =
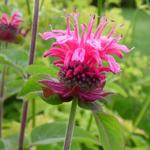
9,28
81,60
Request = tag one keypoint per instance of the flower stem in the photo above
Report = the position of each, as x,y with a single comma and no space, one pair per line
23,124
34,32
142,112
70,127
31,60
2,83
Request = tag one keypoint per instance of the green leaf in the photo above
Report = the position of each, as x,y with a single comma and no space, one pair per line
113,87
11,143
55,132
138,148
89,105
18,56
53,99
42,69
2,145
6,61
31,85
110,132
13,86
138,140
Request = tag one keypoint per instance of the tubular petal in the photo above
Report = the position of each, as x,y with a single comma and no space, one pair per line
78,55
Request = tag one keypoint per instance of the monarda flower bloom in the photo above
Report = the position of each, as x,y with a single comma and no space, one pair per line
80,60
10,31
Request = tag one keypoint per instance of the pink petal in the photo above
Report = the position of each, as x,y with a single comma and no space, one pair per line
78,55
76,28
55,86
68,24
57,52
90,26
49,35
58,63
101,27
90,96
115,51
67,58
113,65
123,48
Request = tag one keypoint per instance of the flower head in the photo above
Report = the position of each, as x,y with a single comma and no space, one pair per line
9,27
81,59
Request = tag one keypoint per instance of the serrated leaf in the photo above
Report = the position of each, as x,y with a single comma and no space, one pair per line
89,105
18,56
55,132
42,69
6,61
110,132
13,87
31,85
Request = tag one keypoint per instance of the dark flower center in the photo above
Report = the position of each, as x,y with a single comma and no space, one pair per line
8,27
79,75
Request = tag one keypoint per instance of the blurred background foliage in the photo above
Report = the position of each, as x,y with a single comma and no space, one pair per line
130,104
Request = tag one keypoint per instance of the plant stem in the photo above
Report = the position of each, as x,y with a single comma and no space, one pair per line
34,32
31,60
89,122
2,83
33,113
99,9
33,43
70,127
23,124
142,112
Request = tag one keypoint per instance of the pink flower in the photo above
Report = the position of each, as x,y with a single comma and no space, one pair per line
81,59
9,28
90,47
77,80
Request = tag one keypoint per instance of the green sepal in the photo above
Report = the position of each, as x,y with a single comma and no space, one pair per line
93,106
53,99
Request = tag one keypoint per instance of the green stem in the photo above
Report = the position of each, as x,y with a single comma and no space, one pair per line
71,124
33,105
89,122
28,7
99,9
2,83
142,112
